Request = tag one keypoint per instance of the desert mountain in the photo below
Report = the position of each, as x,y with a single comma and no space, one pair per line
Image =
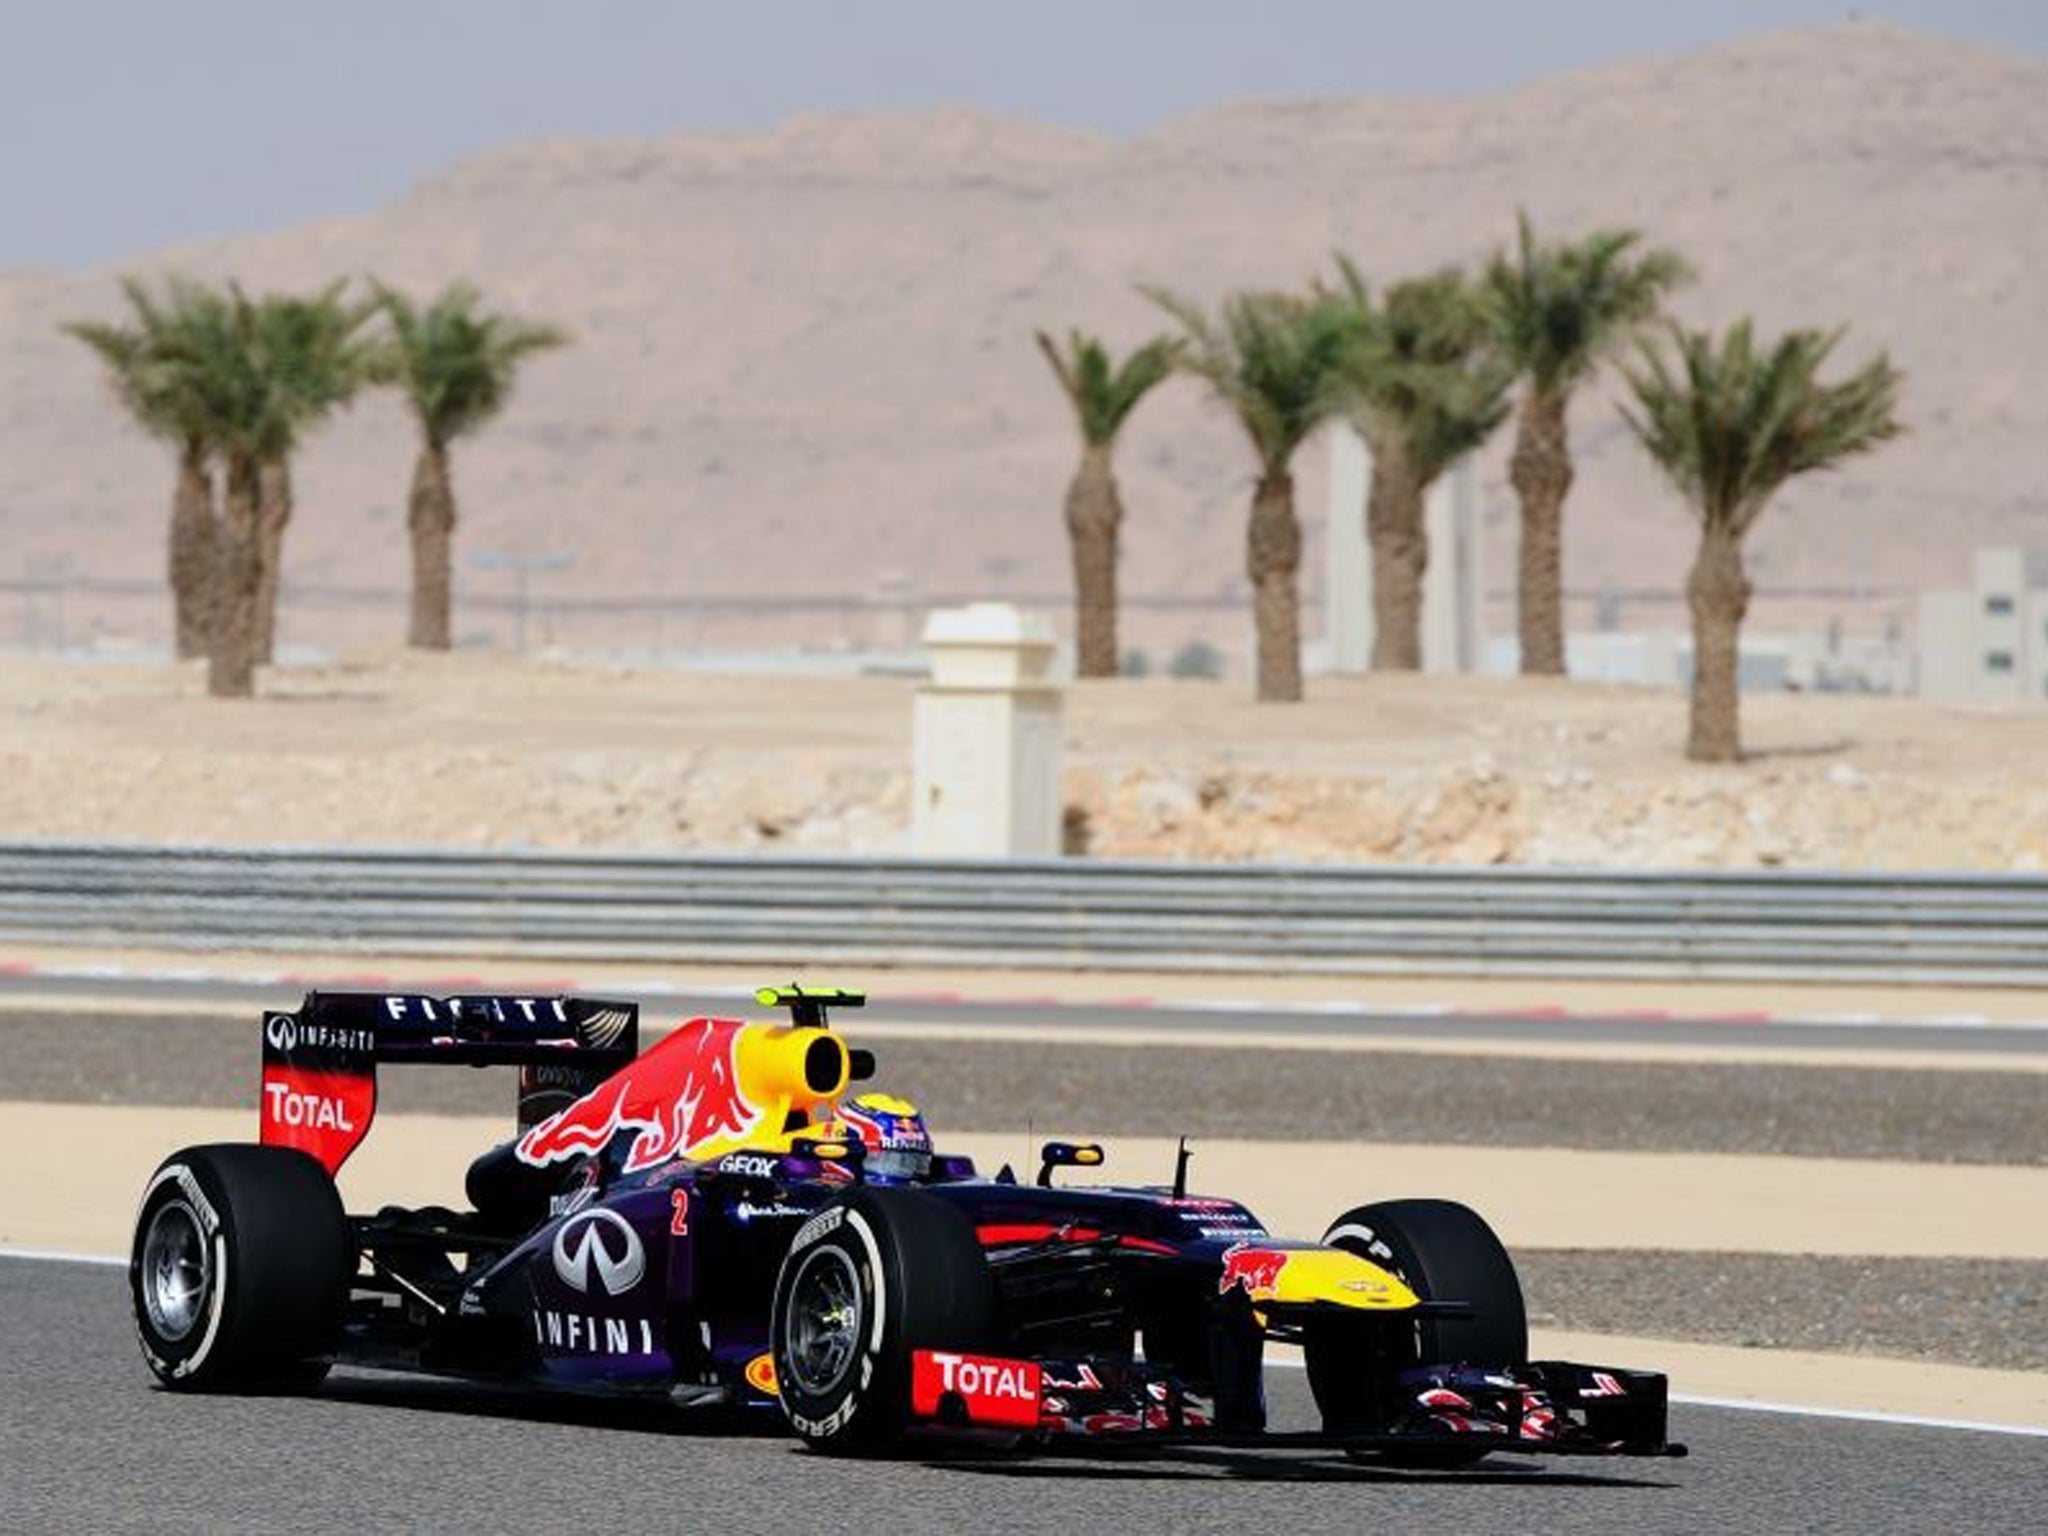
803,358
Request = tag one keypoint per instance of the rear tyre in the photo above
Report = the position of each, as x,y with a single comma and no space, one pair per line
867,1280
239,1271
1443,1251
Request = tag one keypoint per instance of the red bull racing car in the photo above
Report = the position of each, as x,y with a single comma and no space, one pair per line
726,1220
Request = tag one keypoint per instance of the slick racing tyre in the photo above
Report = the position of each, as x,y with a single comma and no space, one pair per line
867,1280
1443,1251
240,1270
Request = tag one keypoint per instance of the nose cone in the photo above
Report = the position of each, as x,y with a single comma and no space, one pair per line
1287,1276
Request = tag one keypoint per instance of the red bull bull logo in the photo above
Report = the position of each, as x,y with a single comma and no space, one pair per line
683,1094
1256,1269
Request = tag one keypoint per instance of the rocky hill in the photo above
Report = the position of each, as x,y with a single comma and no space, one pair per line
803,359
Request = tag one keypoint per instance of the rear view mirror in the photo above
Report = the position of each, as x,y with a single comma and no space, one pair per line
1066,1154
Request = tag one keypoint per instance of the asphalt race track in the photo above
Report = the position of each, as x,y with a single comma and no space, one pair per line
87,1444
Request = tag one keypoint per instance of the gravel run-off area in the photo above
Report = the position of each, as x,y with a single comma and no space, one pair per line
1984,1312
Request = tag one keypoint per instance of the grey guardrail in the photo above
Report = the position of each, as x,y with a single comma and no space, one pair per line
1057,913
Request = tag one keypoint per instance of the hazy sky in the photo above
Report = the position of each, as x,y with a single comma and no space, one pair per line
126,126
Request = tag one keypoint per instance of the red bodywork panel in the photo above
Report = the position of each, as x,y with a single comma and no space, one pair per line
990,1391
325,1113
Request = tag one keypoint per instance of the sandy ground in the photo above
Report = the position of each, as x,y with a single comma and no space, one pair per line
481,750
1561,1199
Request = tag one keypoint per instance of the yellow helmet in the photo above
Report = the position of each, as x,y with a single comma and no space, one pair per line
899,1147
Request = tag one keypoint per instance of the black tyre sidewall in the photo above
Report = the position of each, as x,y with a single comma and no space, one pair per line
1443,1251
918,1266
282,1259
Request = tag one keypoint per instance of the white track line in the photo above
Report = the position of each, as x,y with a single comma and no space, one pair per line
1863,1416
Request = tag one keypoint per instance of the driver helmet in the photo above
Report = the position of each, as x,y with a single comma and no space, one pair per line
899,1148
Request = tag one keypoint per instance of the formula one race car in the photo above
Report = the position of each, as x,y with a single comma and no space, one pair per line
725,1220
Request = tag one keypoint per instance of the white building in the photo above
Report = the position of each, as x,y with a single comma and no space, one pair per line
1987,643
1662,658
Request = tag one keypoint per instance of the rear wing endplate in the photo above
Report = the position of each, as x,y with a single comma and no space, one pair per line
319,1089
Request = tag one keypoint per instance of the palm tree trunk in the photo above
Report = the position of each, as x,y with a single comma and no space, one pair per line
274,511
1400,554
432,518
195,535
1717,591
1273,561
1094,513
1541,471
231,668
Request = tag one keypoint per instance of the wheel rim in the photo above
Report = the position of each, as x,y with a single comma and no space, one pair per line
177,1271
821,1327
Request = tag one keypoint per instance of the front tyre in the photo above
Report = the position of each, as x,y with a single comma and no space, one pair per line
239,1270
868,1280
1442,1251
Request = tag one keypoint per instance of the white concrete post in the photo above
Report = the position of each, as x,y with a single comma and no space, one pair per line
1452,596
1347,558
985,736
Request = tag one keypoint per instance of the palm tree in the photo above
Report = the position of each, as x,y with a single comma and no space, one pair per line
1729,425
1562,309
1273,360
160,396
260,372
1103,396
455,364
217,349
1427,386
313,347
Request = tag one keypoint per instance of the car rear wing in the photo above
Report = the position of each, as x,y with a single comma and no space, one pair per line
320,1062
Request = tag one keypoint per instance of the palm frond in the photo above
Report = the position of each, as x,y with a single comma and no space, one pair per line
150,361
117,346
1102,392
1272,358
287,362
1424,371
1560,309
454,361
1058,363
1729,424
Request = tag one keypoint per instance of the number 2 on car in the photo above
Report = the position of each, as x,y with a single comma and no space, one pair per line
679,1213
